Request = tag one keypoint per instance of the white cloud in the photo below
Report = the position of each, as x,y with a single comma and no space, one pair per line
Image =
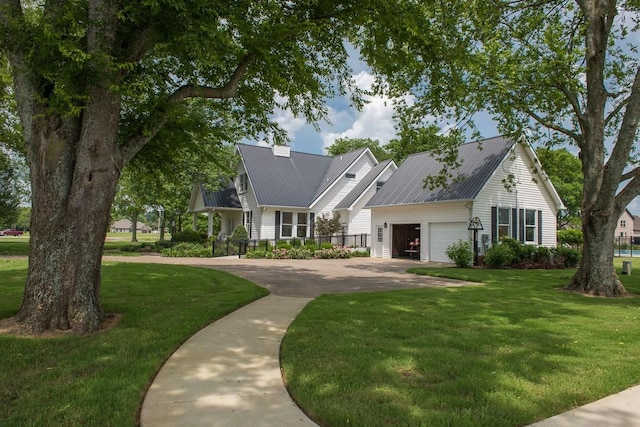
375,121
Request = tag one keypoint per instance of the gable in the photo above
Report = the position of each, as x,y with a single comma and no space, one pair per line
363,185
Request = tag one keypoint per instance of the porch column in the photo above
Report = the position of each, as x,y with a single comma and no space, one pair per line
210,224
194,223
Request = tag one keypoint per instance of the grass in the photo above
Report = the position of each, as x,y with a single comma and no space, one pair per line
114,243
510,352
100,379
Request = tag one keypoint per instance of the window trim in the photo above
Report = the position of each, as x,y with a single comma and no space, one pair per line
350,175
243,183
528,227
509,225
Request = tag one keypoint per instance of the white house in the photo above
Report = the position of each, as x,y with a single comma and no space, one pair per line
278,193
500,182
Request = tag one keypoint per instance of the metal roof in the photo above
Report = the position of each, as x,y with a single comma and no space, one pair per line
406,185
362,186
224,198
294,181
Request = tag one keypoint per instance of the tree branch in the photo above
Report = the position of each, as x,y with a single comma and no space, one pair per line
229,90
616,110
628,129
573,100
576,137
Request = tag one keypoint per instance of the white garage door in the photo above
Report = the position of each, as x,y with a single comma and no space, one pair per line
442,235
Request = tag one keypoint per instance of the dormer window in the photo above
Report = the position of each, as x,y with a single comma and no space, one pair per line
350,175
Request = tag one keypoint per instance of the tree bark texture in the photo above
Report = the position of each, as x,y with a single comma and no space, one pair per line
596,274
74,171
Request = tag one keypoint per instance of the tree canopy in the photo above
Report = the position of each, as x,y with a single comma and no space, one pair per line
565,172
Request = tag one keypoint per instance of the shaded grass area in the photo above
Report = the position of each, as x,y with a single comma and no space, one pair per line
20,245
100,379
508,353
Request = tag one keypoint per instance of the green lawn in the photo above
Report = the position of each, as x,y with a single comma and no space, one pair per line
507,353
99,380
114,243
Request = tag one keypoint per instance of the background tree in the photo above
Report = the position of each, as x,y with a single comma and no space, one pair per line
565,70
425,138
130,202
10,196
344,145
565,172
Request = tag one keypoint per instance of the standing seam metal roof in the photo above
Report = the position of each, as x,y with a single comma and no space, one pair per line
294,181
406,186
226,197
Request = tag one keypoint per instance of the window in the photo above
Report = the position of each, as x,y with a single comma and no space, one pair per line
350,175
243,183
504,222
287,224
247,220
380,234
302,225
530,226
379,185
623,223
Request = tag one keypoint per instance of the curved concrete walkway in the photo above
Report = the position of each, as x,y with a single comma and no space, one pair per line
228,374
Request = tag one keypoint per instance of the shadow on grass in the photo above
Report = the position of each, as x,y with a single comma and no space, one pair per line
498,355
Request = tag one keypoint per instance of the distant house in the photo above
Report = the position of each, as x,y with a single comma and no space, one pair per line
278,193
501,183
125,226
628,227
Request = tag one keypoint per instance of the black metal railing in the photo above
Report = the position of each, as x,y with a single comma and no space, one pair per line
227,247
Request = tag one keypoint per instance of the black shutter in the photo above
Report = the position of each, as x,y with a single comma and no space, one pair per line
277,234
521,225
494,224
312,225
250,223
514,223
539,227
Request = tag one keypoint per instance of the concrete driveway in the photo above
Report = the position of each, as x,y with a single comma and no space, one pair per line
315,277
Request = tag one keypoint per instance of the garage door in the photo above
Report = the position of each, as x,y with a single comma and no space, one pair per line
442,235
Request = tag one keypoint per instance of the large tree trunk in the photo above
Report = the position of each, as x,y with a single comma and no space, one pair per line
75,166
596,274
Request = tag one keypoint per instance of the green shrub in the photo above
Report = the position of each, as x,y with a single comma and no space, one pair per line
257,254
310,244
326,246
195,250
571,237
240,234
568,257
283,245
300,253
360,254
499,256
460,254
278,253
542,255
189,236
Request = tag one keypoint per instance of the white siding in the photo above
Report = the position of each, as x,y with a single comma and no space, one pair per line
343,185
424,215
249,202
359,218
525,193
268,226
